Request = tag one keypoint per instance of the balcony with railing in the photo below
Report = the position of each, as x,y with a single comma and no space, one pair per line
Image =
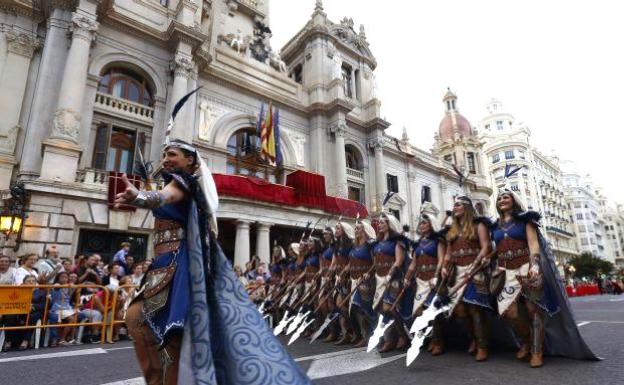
250,7
355,174
124,108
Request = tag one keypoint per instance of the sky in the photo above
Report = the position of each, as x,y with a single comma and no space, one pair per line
556,66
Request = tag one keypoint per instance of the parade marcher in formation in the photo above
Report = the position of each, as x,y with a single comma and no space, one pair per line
192,310
390,266
427,255
325,300
531,298
469,249
360,262
312,268
344,242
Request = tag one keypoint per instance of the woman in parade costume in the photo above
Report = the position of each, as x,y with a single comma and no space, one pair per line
192,322
360,262
532,299
311,276
301,251
344,242
326,304
390,267
427,255
468,248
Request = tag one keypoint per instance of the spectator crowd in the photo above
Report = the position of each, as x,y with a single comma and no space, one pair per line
77,295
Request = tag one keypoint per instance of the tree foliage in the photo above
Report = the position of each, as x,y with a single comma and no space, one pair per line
587,265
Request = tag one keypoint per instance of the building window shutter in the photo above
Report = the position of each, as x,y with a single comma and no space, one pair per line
102,136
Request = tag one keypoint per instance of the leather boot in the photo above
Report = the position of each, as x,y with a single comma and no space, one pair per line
437,344
522,330
537,340
480,333
331,337
390,340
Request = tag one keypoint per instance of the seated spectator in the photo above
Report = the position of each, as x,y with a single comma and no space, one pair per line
91,309
256,290
49,266
80,261
62,311
129,264
89,271
111,281
261,271
7,272
241,277
27,267
137,274
67,265
36,313
73,279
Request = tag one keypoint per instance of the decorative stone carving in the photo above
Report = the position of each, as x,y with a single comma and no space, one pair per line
298,141
376,144
208,115
83,27
339,129
236,41
8,140
337,72
232,5
22,43
345,32
318,6
275,61
66,124
182,65
260,44
373,86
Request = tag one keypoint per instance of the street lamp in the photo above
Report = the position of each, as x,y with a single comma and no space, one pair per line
13,216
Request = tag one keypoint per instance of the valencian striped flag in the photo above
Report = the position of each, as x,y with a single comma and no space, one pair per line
270,136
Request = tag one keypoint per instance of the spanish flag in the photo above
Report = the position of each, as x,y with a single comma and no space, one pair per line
269,138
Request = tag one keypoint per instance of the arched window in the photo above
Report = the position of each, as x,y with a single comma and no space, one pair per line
244,157
353,158
126,84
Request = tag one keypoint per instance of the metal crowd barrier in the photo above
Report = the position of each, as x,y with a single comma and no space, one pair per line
127,298
7,292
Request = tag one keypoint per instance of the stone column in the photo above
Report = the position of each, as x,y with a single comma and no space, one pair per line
181,66
263,242
339,131
241,246
62,150
53,57
20,49
380,175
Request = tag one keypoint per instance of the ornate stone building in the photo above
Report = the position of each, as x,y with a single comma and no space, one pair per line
88,85
539,183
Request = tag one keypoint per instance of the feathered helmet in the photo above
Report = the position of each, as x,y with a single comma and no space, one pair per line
295,248
429,212
206,182
506,189
393,222
347,229
279,250
367,227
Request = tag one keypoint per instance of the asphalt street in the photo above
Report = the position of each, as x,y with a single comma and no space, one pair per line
600,319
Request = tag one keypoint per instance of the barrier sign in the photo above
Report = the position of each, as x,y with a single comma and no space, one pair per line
15,300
